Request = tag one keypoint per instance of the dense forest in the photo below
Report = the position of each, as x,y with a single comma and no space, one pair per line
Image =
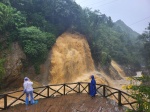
36,24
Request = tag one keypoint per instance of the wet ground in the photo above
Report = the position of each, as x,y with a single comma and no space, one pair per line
70,103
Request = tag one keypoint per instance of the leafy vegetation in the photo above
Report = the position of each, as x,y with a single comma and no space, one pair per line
38,22
141,92
35,44
145,38
11,20
2,71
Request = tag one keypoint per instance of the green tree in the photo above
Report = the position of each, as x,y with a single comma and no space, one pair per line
11,20
145,38
141,92
35,44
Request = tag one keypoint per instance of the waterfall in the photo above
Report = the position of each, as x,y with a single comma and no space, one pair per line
70,58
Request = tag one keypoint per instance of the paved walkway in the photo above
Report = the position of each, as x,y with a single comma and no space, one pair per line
70,103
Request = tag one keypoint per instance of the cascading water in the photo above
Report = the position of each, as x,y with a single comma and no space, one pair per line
70,59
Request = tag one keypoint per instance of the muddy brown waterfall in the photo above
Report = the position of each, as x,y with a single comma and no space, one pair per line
70,58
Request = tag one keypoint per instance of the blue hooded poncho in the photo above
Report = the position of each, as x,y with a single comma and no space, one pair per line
93,86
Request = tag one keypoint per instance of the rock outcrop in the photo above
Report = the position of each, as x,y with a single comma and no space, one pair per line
13,66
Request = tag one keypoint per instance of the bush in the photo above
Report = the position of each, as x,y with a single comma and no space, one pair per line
105,59
2,70
35,43
141,92
10,19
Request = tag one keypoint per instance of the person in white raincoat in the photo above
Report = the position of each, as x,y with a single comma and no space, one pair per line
28,89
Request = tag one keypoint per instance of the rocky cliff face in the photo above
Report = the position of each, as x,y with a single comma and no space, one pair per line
13,66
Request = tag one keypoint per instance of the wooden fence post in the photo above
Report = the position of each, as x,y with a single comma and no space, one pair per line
88,88
104,91
64,89
5,101
119,98
47,91
79,87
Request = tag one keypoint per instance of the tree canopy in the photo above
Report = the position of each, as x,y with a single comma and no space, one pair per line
145,38
36,22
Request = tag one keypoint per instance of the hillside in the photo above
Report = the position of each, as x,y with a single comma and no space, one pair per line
69,61
58,16
36,29
120,25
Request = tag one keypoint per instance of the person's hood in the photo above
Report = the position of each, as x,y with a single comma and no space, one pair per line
92,76
26,79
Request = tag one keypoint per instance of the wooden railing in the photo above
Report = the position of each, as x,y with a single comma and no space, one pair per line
12,98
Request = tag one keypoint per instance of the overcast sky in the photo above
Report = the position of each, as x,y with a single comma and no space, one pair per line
134,13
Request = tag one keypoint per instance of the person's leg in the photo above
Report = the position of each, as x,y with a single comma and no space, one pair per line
31,97
27,98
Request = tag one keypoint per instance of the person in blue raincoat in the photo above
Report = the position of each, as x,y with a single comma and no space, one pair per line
92,86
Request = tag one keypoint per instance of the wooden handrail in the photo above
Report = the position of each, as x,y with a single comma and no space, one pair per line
66,88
